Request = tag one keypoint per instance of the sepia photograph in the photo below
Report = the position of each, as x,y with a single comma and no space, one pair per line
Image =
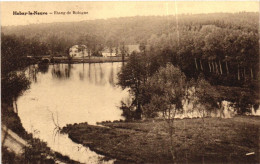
153,82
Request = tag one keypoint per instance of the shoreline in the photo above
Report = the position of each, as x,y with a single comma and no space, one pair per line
12,121
79,60
147,141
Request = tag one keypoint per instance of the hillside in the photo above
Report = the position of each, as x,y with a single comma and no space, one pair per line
132,30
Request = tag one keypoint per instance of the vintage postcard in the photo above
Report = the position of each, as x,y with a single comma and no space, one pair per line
130,82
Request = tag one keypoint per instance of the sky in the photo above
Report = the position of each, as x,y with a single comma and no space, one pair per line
104,10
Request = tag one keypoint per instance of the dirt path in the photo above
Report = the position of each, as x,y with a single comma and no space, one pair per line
12,141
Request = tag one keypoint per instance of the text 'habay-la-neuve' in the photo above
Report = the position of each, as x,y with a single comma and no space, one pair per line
46,13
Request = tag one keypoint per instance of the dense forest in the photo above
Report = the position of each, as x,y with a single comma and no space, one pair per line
132,30
222,46
97,34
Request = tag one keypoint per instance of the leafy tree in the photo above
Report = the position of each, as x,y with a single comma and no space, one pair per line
132,76
168,90
13,53
204,96
205,99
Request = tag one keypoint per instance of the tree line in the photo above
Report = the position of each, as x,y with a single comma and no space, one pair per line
227,56
99,34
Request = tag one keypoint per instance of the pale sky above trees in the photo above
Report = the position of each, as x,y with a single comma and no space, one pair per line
104,10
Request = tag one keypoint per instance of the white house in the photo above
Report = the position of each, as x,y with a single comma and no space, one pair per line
128,50
106,52
78,51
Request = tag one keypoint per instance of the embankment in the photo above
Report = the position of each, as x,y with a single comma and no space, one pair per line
216,140
92,59
20,147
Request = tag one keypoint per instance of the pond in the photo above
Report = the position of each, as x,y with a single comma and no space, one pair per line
63,94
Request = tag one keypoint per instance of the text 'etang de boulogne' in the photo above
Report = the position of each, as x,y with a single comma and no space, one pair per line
49,13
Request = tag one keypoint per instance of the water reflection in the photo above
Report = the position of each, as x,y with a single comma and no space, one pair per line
89,73
82,74
32,73
61,72
111,76
68,94
95,73
43,68
102,79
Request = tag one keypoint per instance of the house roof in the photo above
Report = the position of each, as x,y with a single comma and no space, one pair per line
77,46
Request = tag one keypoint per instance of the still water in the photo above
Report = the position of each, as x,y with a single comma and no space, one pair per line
63,94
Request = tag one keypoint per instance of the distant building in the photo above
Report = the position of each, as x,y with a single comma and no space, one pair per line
107,52
116,51
129,49
78,51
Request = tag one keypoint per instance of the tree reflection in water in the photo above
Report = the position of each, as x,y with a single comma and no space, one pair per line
89,73
95,70
98,74
32,72
111,76
60,73
102,79
43,68
82,74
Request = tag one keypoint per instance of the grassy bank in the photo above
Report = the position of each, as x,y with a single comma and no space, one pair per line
222,140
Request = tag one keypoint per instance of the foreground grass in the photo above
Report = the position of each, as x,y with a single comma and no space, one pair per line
221,140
